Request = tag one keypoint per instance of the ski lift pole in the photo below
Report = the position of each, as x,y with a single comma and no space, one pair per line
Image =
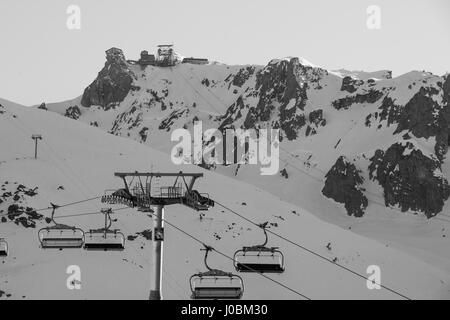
158,238
36,137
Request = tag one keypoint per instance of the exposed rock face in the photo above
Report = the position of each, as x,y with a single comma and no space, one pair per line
279,84
370,97
232,115
168,122
316,120
316,117
350,85
112,84
128,120
143,134
42,106
17,212
73,112
424,118
410,179
343,184
242,76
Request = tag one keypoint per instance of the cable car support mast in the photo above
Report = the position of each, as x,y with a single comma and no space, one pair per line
148,199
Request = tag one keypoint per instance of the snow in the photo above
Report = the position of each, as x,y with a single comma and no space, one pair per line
362,75
83,160
291,104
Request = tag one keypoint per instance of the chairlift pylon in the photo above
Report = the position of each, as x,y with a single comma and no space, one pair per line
105,238
259,258
215,284
180,192
60,236
4,249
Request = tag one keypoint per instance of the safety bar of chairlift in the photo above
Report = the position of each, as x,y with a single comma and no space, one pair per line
74,229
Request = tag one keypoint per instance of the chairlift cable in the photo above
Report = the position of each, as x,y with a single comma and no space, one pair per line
314,253
230,258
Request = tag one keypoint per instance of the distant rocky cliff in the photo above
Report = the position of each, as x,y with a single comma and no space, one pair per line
309,104
112,84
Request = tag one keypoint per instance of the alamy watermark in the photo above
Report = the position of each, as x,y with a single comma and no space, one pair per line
374,278
373,21
73,281
73,21
228,146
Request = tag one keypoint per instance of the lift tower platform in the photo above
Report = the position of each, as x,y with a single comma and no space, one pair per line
145,192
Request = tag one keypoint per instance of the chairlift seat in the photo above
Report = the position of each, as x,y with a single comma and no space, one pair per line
217,293
259,259
61,237
216,287
101,240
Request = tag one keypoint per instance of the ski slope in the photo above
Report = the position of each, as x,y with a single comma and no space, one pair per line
83,160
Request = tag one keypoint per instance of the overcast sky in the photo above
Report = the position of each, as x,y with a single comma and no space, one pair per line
42,60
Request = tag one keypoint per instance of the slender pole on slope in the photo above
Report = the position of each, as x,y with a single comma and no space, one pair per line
36,137
158,238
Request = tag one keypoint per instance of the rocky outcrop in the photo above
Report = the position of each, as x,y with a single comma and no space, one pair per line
350,84
232,115
371,96
316,117
17,211
425,118
73,112
242,76
410,179
343,184
316,120
169,121
279,84
127,121
112,84
143,134
42,106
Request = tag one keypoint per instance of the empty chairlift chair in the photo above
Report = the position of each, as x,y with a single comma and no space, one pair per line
259,258
216,284
60,236
104,238
4,251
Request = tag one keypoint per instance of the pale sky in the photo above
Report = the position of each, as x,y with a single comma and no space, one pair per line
42,60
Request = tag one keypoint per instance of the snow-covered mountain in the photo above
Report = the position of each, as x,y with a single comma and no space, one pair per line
394,131
361,150
77,162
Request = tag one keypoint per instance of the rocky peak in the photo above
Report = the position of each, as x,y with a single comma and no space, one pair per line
112,84
281,83
115,55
